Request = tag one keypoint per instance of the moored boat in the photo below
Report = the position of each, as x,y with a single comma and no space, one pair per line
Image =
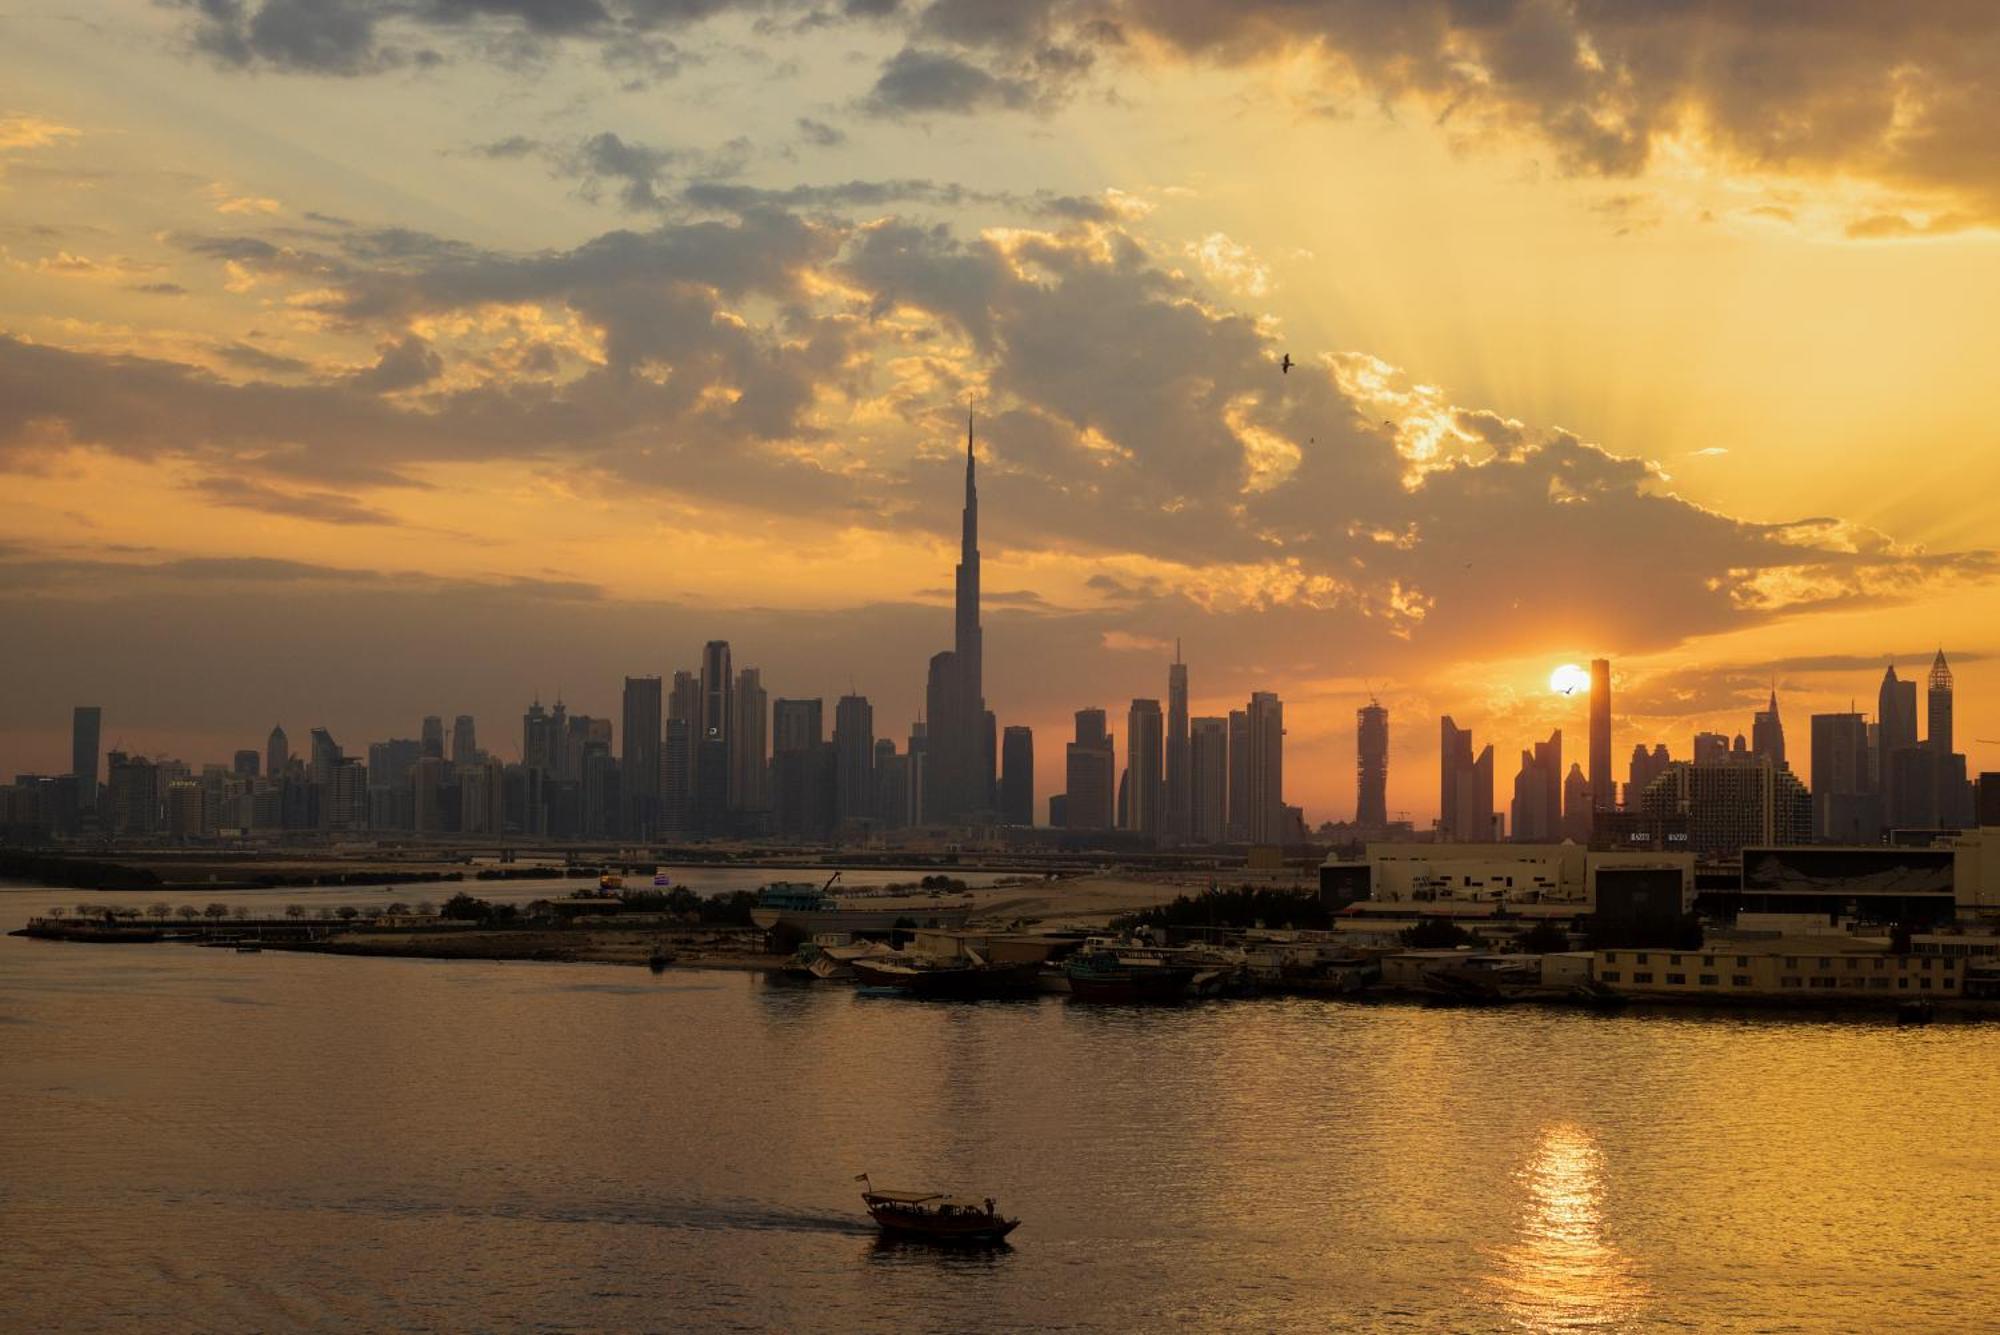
1110,974
935,1216
813,909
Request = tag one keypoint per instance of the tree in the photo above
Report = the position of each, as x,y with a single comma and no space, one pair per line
189,912
295,910
216,911
397,909
57,910
1435,934
161,910
425,907
347,912
1544,938
242,911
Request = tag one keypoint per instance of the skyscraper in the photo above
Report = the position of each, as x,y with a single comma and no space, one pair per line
1843,808
1176,821
277,754
1371,764
1017,776
1646,766
1538,793
1144,775
1937,723
1465,787
1208,780
1577,806
464,742
1895,730
959,772
749,749
1090,773
711,748
1767,734
1603,790
86,726
854,759
433,736
797,738
1264,771
1239,776
538,748
639,758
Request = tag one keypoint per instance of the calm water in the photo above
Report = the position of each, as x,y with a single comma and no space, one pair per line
197,1138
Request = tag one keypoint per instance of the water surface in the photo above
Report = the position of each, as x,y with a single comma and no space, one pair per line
200,1139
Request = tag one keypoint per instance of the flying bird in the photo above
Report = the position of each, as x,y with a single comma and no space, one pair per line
1285,364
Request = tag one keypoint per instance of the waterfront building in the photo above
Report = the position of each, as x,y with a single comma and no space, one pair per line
1471,874
1208,780
86,728
1824,966
854,760
1017,776
639,757
1602,793
1265,769
1465,787
1371,766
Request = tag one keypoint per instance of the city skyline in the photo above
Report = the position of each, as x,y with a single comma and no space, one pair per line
498,376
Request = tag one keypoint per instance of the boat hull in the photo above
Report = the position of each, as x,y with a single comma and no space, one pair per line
969,1232
1132,986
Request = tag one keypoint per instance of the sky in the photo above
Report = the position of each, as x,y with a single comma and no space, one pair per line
367,359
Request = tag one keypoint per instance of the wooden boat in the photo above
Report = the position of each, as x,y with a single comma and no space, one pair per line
935,1216
1127,976
961,979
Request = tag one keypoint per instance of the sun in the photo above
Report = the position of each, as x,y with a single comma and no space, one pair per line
1569,679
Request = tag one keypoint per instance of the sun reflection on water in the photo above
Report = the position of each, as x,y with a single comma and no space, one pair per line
1561,1272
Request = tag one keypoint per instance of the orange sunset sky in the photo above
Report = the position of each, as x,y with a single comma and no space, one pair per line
360,361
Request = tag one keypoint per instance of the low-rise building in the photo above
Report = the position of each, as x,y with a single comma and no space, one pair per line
1792,968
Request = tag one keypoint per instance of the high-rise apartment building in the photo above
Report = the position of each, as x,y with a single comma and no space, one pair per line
1537,815
86,727
854,759
1845,807
639,758
1208,780
464,742
1465,787
1937,723
277,754
1603,790
1145,797
1371,766
1177,820
1731,806
433,736
1090,768
749,745
1017,776
1239,776
1264,778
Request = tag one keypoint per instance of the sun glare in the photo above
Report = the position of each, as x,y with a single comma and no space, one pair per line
1569,679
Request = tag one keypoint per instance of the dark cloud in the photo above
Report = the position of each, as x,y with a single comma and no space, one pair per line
819,134
256,359
917,82
325,507
157,289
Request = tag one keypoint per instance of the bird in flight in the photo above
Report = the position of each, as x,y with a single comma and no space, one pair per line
1285,364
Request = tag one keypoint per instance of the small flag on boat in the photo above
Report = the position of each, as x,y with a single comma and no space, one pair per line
861,1177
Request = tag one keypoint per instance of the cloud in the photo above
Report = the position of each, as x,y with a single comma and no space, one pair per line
325,507
916,82
820,134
